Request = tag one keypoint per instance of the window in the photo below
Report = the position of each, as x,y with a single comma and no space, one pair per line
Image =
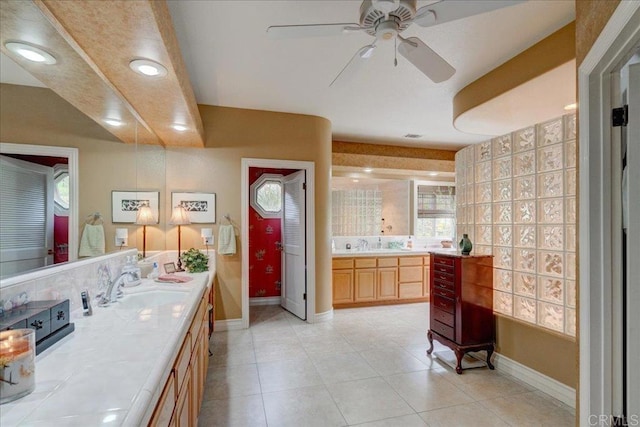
436,211
266,195
356,212
61,190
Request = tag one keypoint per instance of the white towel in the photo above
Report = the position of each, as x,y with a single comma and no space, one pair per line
92,241
226,240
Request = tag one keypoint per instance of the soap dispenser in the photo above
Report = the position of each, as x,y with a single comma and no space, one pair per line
409,243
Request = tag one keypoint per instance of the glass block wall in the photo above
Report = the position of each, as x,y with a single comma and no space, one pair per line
516,198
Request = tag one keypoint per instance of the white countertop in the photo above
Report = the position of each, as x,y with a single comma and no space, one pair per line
351,253
112,368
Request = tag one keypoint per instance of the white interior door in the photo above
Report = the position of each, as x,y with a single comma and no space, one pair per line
294,263
26,216
633,243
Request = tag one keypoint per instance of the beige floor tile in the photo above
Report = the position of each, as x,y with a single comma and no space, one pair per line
531,409
287,374
334,368
483,383
309,407
426,390
470,414
239,411
393,360
274,351
233,380
224,357
412,420
367,400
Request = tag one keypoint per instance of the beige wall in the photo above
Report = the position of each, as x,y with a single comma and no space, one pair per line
232,134
591,17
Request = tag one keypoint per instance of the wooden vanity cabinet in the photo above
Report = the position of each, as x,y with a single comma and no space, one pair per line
461,304
342,280
365,281
181,398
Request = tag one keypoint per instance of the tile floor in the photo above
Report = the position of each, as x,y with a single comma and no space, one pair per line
365,367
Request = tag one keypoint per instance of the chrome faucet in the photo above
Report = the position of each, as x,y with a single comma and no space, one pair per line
113,292
363,245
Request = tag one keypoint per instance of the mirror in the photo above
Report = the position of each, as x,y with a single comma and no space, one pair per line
36,116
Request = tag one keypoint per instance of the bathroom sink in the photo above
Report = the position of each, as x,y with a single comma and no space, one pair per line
150,299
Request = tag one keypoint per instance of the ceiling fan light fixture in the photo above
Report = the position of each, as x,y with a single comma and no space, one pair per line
31,53
148,68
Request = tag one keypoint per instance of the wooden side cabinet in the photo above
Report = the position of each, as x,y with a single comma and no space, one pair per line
461,304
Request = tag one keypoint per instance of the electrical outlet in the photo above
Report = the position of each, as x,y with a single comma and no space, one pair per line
207,241
121,241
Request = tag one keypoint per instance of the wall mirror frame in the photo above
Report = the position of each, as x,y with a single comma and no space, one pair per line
72,156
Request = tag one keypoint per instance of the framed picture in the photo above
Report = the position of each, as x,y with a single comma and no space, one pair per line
201,206
170,267
125,205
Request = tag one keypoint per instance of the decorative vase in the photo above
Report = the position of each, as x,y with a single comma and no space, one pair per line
465,245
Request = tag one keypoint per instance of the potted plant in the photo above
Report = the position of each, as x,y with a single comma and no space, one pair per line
195,261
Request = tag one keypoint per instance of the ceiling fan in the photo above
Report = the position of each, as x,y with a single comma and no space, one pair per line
386,19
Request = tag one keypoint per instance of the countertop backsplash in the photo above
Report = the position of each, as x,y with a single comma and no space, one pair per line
388,242
62,281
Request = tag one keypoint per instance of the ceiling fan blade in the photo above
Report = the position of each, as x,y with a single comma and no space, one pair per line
354,64
425,59
451,10
311,30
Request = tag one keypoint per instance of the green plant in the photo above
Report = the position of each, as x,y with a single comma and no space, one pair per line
195,261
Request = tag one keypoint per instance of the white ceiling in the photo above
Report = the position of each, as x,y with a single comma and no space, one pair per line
232,62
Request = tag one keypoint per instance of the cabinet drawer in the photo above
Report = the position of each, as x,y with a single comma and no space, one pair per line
442,329
443,317
443,292
365,262
387,262
445,304
413,260
182,361
443,277
442,268
411,290
410,274
339,263
443,260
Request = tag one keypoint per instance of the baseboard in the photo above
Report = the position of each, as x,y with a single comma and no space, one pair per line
264,301
323,317
553,388
227,325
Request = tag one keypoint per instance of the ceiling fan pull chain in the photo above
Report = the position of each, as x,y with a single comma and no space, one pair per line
395,52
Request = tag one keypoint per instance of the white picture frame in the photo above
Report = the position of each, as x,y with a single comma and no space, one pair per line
200,206
125,205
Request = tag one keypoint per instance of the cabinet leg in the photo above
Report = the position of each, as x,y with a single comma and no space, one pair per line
489,353
459,356
430,338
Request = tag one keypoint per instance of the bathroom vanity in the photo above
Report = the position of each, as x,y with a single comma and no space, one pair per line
141,361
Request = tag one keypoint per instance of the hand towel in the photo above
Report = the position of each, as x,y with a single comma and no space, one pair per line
92,241
226,240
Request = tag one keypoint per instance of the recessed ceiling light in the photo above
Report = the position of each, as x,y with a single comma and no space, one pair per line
179,128
355,180
113,122
367,170
148,68
433,173
570,107
32,53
